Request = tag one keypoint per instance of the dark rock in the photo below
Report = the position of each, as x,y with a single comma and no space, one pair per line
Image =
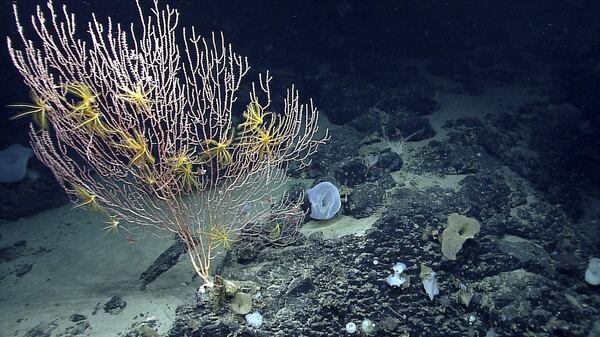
77,317
194,323
41,330
143,329
164,262
380,177
531,256
448,159
35,193
246,254
351,172
115,305
215,329
390,161
345,98
316,236
530,225
564,171
78,329
410,101
364,200
9,253
344,143
299,286
481,195
23,269
566,262
513,295
423,105
375,174
367,123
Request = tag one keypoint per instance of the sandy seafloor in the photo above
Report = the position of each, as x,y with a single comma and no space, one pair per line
77,268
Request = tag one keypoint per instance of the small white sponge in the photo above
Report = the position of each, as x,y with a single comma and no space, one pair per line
254,319
592,274
396,279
